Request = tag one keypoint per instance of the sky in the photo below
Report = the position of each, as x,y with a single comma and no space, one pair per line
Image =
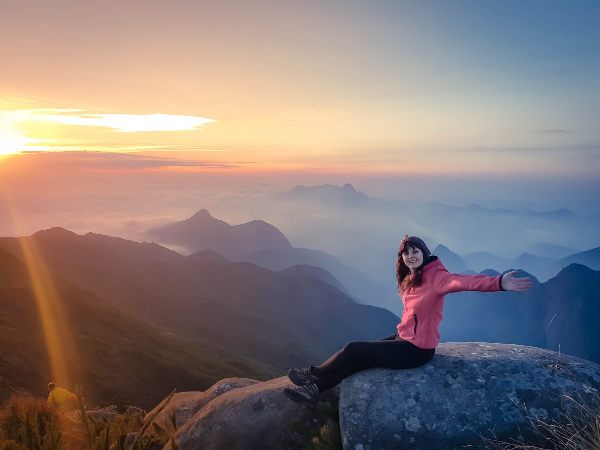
462,101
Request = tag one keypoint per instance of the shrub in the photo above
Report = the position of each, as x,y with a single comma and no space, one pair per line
30,423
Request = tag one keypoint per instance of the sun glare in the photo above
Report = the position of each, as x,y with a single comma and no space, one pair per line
12,142
12,139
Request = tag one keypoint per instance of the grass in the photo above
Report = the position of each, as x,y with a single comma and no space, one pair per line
579,429
28,423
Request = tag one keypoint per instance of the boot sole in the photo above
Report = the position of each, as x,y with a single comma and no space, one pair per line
293,395
300,380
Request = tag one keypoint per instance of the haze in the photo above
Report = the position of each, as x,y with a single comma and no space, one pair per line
118,117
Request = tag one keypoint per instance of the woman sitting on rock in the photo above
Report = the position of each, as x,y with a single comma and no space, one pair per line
422,281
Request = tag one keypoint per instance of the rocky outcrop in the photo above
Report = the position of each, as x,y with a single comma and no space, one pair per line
469,392
259,416
183,405
468,395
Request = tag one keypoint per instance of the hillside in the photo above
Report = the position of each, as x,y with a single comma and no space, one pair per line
119,359
278,319
265,245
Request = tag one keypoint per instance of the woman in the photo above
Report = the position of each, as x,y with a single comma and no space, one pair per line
422,281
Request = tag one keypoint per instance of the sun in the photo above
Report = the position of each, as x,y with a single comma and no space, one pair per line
11,142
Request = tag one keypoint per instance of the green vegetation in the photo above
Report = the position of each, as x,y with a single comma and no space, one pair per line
322,432
28,423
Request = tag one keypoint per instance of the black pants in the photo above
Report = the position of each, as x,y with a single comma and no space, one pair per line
390,352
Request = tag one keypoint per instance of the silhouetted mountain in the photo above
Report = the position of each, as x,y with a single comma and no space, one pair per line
277,319
552,251
561,213
531,263
485,260
564,310
317,273
328,193
590,258
251,242
508,317
359,287
202,231
573,316
452,261
117,358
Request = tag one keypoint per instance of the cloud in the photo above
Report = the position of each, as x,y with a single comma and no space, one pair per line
551,131
548,149
111,160
127,123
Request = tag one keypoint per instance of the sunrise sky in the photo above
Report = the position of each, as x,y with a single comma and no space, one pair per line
351,86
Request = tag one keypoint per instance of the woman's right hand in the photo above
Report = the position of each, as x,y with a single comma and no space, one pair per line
512,283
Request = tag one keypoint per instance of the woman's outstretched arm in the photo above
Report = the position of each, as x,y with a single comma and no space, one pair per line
446,282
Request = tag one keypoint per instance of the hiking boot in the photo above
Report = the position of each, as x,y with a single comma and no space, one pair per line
301,377
308,393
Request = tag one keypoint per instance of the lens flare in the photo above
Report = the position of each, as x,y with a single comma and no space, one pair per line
58,338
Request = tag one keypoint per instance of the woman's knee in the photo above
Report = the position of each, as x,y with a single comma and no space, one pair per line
353,348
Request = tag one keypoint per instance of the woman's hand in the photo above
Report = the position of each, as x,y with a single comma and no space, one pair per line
511,283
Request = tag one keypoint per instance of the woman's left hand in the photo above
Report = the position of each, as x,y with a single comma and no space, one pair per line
511,283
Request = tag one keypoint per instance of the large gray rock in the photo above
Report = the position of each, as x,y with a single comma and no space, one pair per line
183,405
468,392
260,417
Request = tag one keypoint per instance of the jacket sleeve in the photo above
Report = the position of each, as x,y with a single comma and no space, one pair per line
445,282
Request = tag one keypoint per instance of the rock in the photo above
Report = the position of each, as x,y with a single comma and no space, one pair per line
183,405
106,414
459,397
260,417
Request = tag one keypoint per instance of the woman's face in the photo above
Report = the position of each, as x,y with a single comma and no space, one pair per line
412,257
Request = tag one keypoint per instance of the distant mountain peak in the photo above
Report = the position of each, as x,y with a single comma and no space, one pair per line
574,271
202,214
328,193
54,232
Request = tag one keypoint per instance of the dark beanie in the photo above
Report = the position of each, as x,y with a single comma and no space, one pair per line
417,242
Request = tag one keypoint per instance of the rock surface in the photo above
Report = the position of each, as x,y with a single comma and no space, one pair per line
259,417
468,392
183,405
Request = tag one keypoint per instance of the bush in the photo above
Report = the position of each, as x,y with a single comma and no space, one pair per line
30,423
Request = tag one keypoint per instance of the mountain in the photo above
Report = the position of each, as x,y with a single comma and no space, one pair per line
276,319
590,258
317,273
573,312
117,359
558,214
263,244
345,195
359,287
564,310
547,250
202,231
452,261
507,317
485,260
531,263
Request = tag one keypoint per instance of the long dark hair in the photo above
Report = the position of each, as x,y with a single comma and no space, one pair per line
405,279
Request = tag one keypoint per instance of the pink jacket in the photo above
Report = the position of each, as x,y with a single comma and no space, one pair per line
423,305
